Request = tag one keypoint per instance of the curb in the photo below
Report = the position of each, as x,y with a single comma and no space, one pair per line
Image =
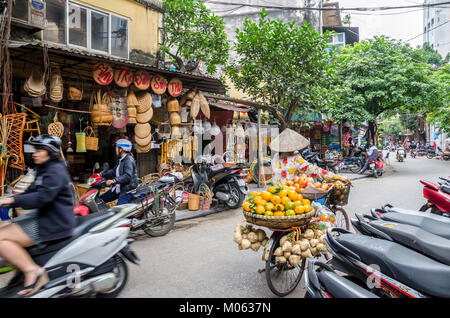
188,215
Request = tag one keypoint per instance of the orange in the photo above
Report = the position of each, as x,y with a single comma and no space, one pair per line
299,209
278,214
300,197
306,202
324,217
280,207
268,213
275,199
260,210
297,203
261,202
282,193
332,219
257,198
292,195
308,208
246,206
289,206
254,193
266,195
290,213
285,200
269,206
271,189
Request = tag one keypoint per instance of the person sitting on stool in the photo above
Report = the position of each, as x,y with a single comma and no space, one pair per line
123,177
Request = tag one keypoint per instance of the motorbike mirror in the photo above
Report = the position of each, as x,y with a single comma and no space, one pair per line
96,167
105,166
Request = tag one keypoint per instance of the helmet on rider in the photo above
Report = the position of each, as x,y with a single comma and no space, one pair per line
50,143
124,144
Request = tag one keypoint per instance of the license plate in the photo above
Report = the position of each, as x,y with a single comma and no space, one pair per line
372,165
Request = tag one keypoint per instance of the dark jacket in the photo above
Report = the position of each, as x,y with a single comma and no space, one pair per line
127,174
50,193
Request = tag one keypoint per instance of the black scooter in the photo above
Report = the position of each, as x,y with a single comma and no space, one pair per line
226,183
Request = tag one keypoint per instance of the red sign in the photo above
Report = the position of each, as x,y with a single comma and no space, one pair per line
123,76
159,84
142,80
102,73
175,87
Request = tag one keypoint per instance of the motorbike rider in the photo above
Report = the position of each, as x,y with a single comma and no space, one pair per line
53,218
372,154
123,177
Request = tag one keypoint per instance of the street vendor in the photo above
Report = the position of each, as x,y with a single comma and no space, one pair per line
286,164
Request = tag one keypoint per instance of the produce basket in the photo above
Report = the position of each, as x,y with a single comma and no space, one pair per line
313,193
278,222
339,194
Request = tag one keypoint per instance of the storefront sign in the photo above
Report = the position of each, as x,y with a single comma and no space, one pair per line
142,80
175,87
159,84
123,76
102,73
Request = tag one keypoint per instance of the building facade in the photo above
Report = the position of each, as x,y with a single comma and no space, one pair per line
436,27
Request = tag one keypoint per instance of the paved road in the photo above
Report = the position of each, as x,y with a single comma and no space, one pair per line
199,259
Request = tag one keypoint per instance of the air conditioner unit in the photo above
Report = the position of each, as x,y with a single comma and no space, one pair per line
29,14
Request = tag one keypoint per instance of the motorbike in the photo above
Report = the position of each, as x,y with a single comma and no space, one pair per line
437,196
401,154
322,281
387,268
431,153
226,183
90,263
313,157
413,153
353,164
156,203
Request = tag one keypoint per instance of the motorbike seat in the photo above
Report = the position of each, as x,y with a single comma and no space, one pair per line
400,263
435,224
416,238
83,225
341,287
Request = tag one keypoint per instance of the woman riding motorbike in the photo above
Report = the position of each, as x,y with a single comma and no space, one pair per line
53,218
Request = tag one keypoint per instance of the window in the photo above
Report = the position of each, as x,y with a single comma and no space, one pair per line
77,25
119,36
337,40
55,30
86,27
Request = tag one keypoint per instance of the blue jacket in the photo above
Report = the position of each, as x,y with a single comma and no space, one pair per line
127,174
50,193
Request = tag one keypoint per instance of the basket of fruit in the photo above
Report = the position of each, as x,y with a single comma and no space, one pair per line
279,207
339,194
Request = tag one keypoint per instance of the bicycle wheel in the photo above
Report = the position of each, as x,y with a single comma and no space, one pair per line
342,219
282,278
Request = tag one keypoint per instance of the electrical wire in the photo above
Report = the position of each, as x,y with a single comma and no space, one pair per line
427,31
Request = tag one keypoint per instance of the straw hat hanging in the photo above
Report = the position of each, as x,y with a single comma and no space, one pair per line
35,84
288,141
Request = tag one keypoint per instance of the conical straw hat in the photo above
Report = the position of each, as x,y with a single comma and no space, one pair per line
288,141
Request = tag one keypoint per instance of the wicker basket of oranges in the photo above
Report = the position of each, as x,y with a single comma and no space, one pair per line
278,207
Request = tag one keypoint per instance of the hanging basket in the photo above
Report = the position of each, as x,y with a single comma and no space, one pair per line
278,222
81,141
91,140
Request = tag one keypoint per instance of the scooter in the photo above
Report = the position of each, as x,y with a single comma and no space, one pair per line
322,281
226,183
89,263
387,268
437,196
354,164
401,154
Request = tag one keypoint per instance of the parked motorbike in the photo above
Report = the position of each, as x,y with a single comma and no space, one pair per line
438,197
89,263
322,281
413,153
387,268
313,157
353,164
156,203
401,154
431,153
226,183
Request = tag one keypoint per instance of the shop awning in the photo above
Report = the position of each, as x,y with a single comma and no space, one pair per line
77,63
239,108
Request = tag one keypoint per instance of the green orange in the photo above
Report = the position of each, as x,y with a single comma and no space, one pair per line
260,210
290,213
269,206
289,206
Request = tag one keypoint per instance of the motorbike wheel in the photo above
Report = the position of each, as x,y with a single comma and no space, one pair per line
430,156
236,197
163,229
374,173
356,167
379,172
121,270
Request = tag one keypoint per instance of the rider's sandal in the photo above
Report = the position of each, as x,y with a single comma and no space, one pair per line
41,280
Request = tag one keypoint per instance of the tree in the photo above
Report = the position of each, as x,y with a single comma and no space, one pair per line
380,76
440,112
282,65
193,34
432,56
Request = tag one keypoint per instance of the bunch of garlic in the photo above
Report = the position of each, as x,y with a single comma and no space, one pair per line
248,237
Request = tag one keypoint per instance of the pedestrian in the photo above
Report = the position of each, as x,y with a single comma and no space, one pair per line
123,177
52,220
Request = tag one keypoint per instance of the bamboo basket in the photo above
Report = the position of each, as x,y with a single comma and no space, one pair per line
278,222
193,202
91,140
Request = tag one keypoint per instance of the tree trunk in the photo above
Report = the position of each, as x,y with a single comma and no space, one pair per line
372,129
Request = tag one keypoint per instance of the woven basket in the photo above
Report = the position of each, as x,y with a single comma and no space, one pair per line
145,102
74,94
91,140
143,118
278,222
339,199
142,130
144,142
145,148
56,129
175,118
173,105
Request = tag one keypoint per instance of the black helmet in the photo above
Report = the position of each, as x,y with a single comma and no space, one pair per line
50,143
